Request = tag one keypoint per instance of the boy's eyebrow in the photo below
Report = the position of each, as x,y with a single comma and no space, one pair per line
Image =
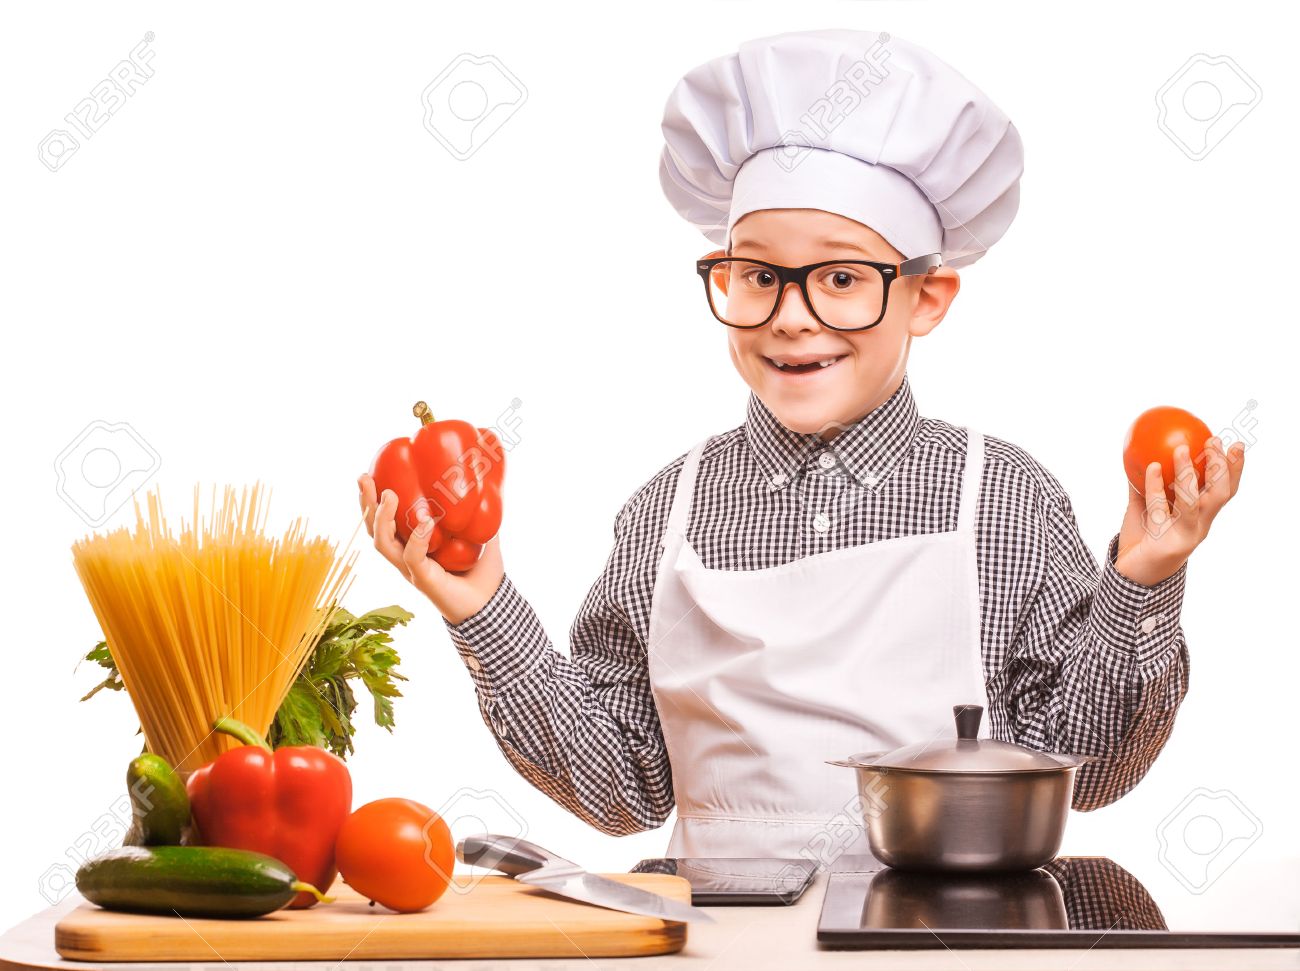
829,244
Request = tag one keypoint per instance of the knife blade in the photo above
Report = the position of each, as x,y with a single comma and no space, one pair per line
532,865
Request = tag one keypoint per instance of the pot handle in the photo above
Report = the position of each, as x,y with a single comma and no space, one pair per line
859,760
968,719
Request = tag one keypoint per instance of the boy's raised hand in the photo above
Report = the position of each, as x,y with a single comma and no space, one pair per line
1156,540
456,595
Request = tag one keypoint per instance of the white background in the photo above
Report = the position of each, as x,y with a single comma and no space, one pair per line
264,257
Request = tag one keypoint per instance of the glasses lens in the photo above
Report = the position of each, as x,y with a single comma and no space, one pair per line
847,295
743,293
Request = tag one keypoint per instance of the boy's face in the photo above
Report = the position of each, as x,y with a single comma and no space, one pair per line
867,366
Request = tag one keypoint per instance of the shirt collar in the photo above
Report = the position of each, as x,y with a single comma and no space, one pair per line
868,450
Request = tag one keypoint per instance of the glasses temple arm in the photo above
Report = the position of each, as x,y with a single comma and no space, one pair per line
919,265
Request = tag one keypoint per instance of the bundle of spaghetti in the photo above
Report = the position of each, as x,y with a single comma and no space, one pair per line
217,621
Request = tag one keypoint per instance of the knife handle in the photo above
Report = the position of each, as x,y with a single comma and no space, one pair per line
508,854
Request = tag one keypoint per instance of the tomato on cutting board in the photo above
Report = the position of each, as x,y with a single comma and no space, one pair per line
397,852
1154,436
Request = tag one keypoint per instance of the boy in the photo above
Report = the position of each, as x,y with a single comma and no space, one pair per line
836,573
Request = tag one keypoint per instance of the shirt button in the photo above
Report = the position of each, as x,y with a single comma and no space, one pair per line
870,480
826,460
1148,625
821,522
780,479
473,663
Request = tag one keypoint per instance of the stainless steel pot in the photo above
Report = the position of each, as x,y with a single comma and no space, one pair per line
966,803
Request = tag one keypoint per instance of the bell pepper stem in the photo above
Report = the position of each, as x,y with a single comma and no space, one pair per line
237,729
422,412
302,887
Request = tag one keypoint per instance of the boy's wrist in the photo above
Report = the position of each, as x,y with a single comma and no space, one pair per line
470,600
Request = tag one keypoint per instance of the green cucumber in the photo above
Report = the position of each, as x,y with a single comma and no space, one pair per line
192,881
160,809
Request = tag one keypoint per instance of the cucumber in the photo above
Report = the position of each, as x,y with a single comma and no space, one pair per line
160,809
192,881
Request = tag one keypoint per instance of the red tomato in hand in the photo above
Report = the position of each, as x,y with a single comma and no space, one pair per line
1153,438
397,852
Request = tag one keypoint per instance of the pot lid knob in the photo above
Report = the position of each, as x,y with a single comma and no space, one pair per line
968,719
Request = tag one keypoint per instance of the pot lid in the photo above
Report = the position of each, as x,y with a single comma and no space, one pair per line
966,752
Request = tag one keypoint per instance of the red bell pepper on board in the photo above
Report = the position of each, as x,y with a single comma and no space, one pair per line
289,803
453,471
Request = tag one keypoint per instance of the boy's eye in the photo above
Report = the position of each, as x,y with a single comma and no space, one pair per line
839,278
760,277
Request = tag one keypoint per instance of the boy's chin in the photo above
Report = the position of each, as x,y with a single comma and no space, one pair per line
811,418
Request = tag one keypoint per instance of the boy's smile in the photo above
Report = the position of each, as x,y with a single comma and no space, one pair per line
815,379
803,363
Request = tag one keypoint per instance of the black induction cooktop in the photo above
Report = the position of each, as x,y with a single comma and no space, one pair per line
1074,902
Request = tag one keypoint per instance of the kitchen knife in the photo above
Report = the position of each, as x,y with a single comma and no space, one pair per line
529,863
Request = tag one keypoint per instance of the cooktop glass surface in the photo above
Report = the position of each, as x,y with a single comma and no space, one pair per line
1079,901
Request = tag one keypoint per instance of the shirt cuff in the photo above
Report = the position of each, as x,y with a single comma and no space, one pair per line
1135,618
501,642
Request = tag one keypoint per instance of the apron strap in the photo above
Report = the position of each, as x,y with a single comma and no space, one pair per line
970,486
679,515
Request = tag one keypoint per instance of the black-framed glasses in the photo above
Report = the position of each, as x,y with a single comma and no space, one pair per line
841,294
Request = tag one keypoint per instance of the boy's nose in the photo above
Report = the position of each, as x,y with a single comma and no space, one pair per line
792,314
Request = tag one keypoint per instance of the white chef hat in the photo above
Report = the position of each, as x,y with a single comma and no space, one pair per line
854,122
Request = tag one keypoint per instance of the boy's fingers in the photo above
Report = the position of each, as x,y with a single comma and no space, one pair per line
1218,486
1155,500
1236,461
1186,489
417,547
1136,497
1133,512
366,494
385,532
424,571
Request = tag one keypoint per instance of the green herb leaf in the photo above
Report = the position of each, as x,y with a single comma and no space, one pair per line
320,704
298,719
101,656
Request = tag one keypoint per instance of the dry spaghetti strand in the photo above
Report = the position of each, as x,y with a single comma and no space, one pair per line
217,621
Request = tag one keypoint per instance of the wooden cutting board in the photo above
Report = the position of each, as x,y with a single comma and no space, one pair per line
491,917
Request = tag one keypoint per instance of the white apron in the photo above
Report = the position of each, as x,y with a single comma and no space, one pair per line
761,675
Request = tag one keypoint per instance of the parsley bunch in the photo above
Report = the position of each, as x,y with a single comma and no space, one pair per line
320,704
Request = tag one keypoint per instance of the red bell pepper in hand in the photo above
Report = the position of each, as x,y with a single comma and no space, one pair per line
453,471
289,803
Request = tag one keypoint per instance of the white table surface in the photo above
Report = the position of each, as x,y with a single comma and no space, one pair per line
752,938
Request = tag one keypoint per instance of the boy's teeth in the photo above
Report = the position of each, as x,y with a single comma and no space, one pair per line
821,364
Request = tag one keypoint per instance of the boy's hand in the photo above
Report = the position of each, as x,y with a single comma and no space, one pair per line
1155,540
456,595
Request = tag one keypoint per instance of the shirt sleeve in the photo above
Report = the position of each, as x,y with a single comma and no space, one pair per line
582,729
1100,666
